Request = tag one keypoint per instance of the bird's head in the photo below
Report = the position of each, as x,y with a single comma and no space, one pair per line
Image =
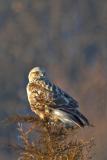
36,73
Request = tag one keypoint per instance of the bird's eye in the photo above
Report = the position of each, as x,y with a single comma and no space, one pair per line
37,72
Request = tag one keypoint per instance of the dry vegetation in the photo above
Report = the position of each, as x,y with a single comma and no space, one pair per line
55,142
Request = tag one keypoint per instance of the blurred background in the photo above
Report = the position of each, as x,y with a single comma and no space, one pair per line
69,39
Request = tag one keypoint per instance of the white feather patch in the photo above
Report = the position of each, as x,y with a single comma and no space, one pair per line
64,117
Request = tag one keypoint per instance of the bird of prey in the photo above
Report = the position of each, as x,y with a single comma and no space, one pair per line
50,102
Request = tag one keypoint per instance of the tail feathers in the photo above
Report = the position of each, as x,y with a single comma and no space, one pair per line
81,117
71,117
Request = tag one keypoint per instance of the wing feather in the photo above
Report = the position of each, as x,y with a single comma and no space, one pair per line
61,98
66,107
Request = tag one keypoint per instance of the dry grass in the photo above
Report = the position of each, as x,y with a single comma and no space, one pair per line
54,143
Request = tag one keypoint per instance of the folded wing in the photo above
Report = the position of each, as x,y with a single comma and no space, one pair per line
67,108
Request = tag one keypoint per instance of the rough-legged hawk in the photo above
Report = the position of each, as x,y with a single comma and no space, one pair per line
48,101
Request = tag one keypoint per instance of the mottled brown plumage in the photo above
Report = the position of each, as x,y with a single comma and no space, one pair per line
39,94
50,102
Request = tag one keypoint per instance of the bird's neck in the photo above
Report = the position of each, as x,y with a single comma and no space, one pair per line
37,79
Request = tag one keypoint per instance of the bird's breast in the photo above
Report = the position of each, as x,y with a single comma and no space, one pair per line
39,93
